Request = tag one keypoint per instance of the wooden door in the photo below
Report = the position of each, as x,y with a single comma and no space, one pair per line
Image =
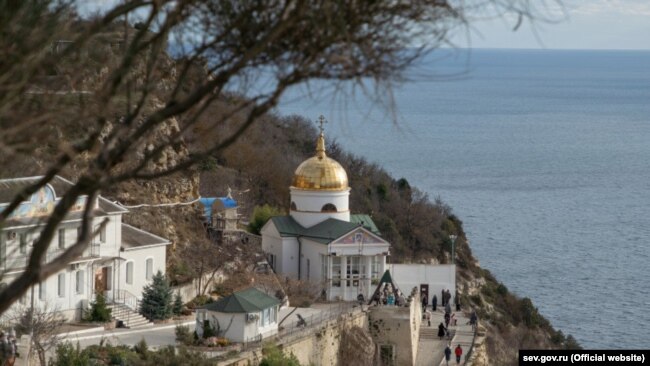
101,277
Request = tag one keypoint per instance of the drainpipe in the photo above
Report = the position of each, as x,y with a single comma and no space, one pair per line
299,258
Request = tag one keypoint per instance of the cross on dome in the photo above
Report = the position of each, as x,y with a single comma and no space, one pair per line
321,120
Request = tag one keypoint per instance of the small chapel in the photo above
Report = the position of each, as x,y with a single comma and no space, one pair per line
320,240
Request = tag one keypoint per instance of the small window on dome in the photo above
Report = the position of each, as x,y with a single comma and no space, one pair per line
328,208
293,206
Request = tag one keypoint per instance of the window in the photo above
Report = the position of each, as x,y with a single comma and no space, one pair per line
61,238
61,287
129,273
149,269
374,267
387,354
23,243
102,234
336,271
42,294
328,208
353,270
323,266
80,282
294,207
266,317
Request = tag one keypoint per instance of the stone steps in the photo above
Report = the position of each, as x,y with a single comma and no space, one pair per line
130,318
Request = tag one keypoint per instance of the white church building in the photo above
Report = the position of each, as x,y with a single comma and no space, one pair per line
118,263
320,240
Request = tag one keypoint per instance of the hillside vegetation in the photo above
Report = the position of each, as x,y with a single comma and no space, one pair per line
259,168
261,164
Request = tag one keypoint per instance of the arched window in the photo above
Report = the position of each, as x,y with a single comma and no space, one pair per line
293,206
328,208
148,264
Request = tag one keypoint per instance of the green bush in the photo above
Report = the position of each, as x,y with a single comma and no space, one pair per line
273,356
67,355
208,331
262,214
98,311
157,299
529,312
141,348
184,336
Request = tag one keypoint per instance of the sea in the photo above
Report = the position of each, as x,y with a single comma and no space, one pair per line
544,155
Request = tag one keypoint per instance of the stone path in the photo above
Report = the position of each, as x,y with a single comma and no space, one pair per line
431,348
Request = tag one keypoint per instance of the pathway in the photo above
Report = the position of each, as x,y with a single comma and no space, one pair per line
431,348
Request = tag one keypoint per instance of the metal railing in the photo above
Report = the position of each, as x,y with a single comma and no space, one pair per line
468,356
299,328
127,299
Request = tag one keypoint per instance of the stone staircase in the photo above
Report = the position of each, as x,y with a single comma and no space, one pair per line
129,317
428,332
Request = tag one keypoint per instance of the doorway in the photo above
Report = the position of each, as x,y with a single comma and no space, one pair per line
424,292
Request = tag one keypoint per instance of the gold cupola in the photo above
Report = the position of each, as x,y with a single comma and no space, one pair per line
320,173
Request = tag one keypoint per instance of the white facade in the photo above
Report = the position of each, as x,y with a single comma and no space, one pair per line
317,241
101,268
436,277
347,266
309,207
240,327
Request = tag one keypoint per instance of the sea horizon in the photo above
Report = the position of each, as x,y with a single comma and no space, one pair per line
544,156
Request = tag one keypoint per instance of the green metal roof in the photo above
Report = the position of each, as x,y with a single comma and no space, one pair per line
250,300
325,231
366,221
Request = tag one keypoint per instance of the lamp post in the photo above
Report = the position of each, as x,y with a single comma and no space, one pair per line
453,247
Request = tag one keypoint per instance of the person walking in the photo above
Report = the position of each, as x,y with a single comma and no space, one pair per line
473,320
425,302
459,352
442,296
434,302
427,315
11,350
447,320
448,353
447,308
441,330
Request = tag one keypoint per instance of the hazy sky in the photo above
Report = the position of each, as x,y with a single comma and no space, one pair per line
577,24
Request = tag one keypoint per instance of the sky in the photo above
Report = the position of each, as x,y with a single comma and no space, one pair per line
573,24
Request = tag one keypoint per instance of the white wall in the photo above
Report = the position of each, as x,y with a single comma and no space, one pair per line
235,327
139,257
312,250
70,304
438,277
309,204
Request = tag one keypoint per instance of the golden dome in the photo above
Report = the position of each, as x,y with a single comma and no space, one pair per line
320,172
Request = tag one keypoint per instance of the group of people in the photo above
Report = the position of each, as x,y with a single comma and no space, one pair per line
387,295
458,351
8,349
445,295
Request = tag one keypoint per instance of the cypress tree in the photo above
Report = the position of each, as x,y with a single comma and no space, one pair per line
178,304
157,299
